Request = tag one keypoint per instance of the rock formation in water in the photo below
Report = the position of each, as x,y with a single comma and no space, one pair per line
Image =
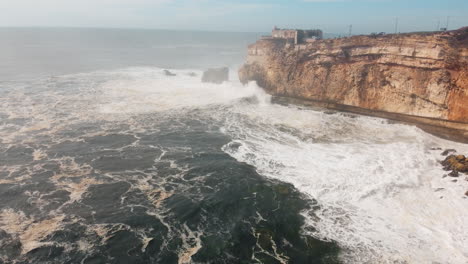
419,75
456,163
218,75
169,73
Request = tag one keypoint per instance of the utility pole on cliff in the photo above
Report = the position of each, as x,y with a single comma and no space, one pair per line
447,25
350,30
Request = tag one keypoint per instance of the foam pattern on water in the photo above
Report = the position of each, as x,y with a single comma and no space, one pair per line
127,166
137,140
379,185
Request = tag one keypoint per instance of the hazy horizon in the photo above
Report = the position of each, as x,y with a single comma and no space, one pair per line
332,16
260,33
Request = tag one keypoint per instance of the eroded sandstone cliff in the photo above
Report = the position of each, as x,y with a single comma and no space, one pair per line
423,75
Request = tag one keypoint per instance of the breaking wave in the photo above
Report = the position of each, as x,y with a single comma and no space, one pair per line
378,186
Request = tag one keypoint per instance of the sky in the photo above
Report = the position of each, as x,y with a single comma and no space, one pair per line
332,16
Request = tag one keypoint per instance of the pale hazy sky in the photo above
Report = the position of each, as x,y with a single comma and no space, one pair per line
332,16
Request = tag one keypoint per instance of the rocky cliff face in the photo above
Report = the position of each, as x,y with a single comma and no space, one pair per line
417,74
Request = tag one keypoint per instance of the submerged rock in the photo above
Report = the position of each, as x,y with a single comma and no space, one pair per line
169,73
448,151
216,75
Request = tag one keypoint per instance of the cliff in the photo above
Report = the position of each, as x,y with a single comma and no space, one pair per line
421,77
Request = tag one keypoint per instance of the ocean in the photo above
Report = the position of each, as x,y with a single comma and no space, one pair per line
105,159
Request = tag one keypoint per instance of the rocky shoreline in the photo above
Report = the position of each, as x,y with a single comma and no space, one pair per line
457,164
415,77
452,131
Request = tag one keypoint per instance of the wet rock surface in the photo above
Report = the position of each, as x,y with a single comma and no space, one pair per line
456,163
448,151
169,73
216,75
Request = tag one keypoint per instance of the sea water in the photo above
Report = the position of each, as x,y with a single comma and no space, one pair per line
105,159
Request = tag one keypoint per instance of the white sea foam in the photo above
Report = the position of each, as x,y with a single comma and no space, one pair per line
379,185
150,91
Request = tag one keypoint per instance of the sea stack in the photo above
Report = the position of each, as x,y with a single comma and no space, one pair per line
420,77
216,75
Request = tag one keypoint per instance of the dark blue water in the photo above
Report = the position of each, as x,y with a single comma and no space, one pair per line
91,174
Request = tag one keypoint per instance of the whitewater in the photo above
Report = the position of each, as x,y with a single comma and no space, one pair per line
378,185
105,159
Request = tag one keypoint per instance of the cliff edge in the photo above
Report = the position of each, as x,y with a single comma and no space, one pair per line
420,77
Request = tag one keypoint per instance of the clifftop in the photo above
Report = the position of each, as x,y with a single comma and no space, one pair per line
424,75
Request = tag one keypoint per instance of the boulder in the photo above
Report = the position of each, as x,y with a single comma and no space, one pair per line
458,163
217,75
448,151
168,73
